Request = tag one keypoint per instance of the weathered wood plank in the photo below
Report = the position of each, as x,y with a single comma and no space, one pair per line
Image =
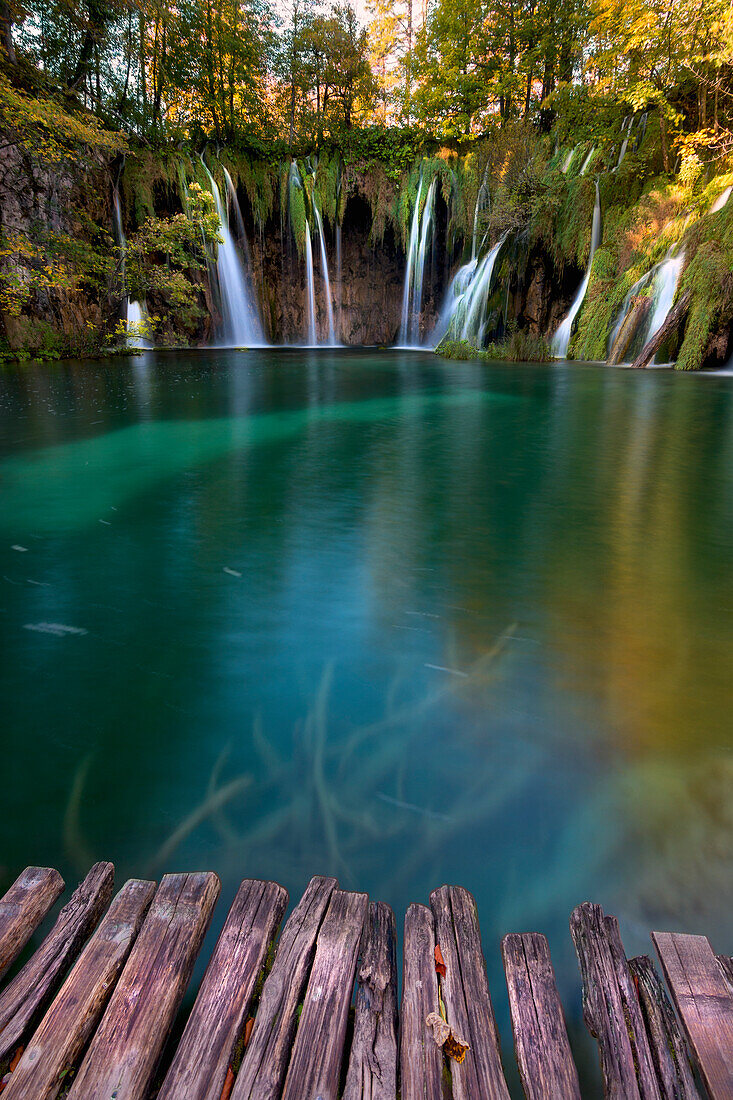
124,1052
266,1058
75,1012
32,988
726,963
217,1020
372,1073
611,1006
315,1064
545,1061
704,1002
671,1060
421,1061
23,908
465,990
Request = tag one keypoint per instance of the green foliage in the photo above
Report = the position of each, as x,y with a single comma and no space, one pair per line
519,347
42,127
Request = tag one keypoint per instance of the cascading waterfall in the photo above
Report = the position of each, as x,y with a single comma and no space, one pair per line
310,287
721,200
420,233
136,313
338,280
625,142
586,162
664,289
481,199
624,311
326,280
244,243
568,161
463,315
241,322
561,339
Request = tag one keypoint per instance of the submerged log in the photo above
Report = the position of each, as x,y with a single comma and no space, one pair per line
638,311
671,323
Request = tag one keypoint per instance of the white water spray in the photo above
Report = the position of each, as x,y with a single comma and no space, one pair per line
721,200
561,339
420,233
136,313
326,280
241,323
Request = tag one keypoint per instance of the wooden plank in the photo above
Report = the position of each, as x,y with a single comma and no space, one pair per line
611,1006
33,987
465,990
125,1050
704,1002
23,908
70,1021
266,1058
545,1061
372,1073
216,1023
421,1061
669,1051
315,1064
726,964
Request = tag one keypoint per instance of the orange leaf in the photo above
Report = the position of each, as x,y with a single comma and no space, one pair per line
248,1029
16,1058
226,1092
439,963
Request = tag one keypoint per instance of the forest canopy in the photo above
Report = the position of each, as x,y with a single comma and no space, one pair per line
250,72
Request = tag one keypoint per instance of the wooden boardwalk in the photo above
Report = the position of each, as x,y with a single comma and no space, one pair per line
313,1014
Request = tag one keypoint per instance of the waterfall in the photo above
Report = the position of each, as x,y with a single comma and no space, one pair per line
561,339
624,311
326,280
241,323
411,253
136,313
586,162
248,267
664,289
338,280
480,204
568,161
463,314
420,231
625,142
721,200
310,287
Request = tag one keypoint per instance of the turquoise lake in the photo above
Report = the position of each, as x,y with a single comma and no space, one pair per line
376,615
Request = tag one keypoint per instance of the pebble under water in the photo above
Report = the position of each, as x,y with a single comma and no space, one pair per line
380,616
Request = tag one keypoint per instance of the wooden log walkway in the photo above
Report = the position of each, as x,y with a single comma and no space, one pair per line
95,1012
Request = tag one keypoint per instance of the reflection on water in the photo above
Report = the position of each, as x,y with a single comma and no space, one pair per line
373,615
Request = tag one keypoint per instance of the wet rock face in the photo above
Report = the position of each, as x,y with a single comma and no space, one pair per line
36,200
366,290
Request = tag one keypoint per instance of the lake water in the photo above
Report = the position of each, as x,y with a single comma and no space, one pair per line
372,614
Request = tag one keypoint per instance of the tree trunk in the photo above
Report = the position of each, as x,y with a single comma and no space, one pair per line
6,31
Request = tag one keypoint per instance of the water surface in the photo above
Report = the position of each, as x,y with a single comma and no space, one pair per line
371,614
